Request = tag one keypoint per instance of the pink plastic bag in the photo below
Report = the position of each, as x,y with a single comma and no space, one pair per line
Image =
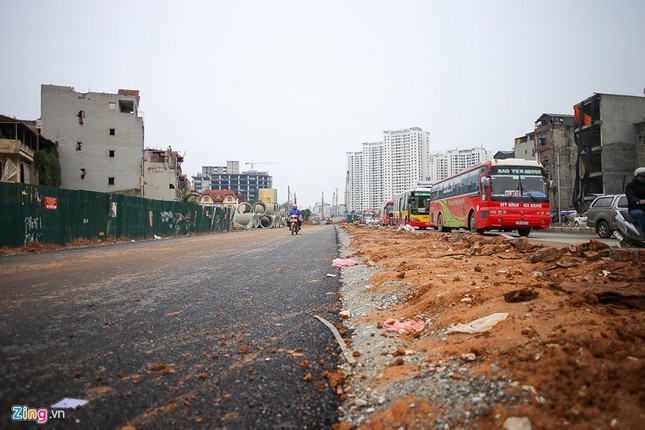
343,262
408,326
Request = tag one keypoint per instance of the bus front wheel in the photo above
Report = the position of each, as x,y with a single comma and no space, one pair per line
524,232
472,224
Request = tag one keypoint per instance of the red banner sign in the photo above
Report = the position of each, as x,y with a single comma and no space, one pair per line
51,203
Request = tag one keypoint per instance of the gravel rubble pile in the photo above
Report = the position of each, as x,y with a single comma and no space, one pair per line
462,396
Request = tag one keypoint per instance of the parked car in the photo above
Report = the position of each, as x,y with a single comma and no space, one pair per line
601,216
580,221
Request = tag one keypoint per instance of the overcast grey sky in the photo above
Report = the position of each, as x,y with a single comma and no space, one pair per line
300,83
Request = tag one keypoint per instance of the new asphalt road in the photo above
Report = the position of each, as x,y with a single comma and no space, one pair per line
213,331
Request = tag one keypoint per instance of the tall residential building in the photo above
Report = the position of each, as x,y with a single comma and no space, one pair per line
383,169
354,181
406,159
99,135
245,184
375,180
444,164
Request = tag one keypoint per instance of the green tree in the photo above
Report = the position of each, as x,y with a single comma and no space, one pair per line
48,166
306,213
186,196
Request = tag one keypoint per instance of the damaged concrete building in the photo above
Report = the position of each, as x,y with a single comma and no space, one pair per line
610,140
100,138
162,174
19,142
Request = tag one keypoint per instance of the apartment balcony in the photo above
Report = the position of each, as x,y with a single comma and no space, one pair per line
9,147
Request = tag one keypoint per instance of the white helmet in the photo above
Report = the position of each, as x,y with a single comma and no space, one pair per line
639,171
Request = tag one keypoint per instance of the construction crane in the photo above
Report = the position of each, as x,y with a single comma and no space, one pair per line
253,163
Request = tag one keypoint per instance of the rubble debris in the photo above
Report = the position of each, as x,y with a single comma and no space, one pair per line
523,295
517,423
563,343
545,255
346,352
618,294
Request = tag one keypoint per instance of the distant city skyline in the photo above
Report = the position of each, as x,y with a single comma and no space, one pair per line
372,177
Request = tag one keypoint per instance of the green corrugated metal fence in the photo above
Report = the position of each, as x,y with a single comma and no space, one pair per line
31,213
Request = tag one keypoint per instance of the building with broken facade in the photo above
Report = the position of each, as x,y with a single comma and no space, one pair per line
552,143
100,138
162,175
610,144
20,142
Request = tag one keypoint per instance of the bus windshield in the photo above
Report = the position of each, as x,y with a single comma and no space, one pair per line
419,203
505,187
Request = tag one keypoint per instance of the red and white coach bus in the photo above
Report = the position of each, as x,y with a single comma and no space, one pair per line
508,194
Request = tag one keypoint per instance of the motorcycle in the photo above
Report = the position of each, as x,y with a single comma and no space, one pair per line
627,233
294,226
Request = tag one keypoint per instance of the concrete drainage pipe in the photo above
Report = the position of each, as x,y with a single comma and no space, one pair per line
244,208
244,220
259,208
270,209
264,222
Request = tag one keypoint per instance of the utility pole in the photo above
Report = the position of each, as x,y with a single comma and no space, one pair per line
557,161
336,208
322,206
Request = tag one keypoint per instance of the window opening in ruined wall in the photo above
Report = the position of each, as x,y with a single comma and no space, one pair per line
126,106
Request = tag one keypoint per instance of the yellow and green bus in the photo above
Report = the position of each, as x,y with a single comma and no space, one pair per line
411,207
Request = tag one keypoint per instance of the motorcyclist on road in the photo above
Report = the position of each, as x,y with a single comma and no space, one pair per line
295,211
635,192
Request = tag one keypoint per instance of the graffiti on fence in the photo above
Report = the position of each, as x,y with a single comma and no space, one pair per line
182,222
167,216
32,230
177,222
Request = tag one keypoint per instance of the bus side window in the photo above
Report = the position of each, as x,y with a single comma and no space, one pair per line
473,177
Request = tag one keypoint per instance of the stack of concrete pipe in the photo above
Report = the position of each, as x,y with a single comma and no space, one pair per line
259,215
